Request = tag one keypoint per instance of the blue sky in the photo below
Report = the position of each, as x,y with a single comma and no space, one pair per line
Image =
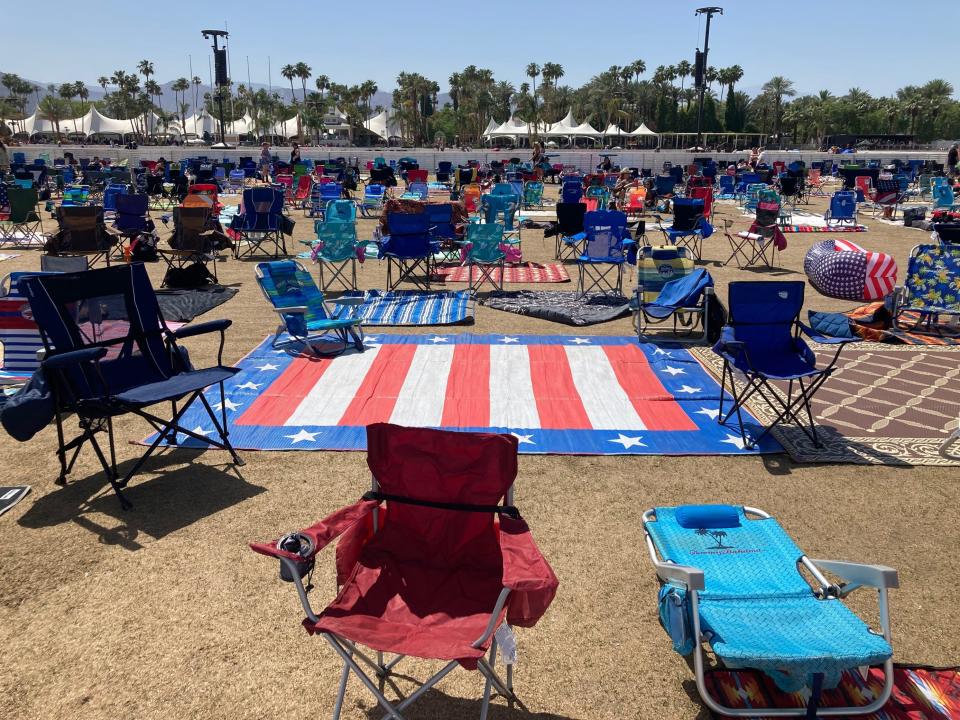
354,41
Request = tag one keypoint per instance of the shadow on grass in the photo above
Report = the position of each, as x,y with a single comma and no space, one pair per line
435,704
180,490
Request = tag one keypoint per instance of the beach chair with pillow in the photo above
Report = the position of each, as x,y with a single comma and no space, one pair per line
843,209
336,249
929,300
110,353
434,562
762,344
305,319
684,300
604,252
732,579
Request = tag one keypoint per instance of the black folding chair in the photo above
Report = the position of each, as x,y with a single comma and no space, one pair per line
570,234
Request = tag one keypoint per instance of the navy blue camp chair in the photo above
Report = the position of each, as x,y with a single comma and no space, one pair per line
604,252
570,235
410,248
843,209
684,300
572,190
131,219
444,171
762,340
664,185
110,353
261,223
688,225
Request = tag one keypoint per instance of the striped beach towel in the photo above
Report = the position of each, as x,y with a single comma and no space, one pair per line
414,307
528,273
823,228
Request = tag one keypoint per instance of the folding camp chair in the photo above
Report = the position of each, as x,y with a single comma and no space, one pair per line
131,219
110,197
207,192
336,249
320,195
285,183
502,208
471,198
443,230
261,223
665,186
23,226
688,225
597,198
417,191
444,172
373,199
82,233
931,291
236,181
887,196
762,342
604,252
409,247
570,235
340,211
305,318
731,578
110,353
416,175
684,300
484,243
532,194
943,199
704,193
571,192
193,241
759,245
441,572
863,187
948,233
791,190
156,190
727,188
302,191
843,209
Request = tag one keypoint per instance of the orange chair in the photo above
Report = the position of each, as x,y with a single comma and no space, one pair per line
471,197
636,198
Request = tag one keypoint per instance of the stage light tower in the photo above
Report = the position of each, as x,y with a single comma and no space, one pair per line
220,62
701,69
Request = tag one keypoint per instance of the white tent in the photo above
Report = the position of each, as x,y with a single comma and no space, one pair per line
491,126
386,127
644,130
614,130
514,127
585,129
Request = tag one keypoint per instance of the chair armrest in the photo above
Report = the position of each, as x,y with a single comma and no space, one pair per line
728,340
292,310
526,574
202,328
824,339
73,357
878,576
691,577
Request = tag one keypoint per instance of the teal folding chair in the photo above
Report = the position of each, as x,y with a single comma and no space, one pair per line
336,249
486,254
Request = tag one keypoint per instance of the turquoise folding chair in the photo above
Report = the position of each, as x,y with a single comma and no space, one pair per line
486,254
336,249
305,318
340,211
731,578
502,208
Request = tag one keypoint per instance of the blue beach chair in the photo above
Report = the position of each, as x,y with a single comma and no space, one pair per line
931,290
762,342
373,199
485,254
731,579
689,225
685,300
337,249
304,315
843,209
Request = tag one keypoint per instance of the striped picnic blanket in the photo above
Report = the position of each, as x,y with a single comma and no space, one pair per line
527,273
415,307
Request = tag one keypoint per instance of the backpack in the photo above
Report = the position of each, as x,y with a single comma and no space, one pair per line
716,318
191,276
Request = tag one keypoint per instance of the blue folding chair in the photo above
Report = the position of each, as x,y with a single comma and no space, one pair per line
943,198
762,342
305,319
444,171
409,247
731,579
104,360
261,223
684,300
340,211
417,191
688,225
843,209
320,195
604,252
110,197
727,188
571,191
373,199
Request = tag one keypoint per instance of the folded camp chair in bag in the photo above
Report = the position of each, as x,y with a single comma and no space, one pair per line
843,209
604,252
410,248
688,225
82,233
759,245
23,226
486,254
931,291
261,223
570,235
762,342
684,300
305,317
193,241
434,562
110,353
732,578
336,249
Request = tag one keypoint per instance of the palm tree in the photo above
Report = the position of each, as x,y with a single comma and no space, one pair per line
289,72
81,91
103,81
323,83
684,69
180,87
533,70
778,87
303,71
67,91
638,67
734,74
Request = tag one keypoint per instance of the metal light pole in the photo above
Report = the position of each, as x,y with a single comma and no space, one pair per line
216,35
709,12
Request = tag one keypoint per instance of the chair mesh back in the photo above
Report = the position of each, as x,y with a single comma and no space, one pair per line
339,240
687,213
570,217
605,232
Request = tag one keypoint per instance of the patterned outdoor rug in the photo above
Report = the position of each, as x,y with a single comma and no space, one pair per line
595,395
884,405
527,273
569,308
873,322
415,307
823,228
919,693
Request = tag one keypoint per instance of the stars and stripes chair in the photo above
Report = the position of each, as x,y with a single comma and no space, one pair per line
732,578
336,250
570,235
409,248
306,320
604,252
434,562
110,353
931,291
485,254
684,300
762,342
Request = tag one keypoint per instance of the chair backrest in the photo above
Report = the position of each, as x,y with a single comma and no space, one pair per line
664,184
262,207
471,198
705,194
942,196
113,307
685,291
933,274
948,233
727,184
764,313
485,241
419,188
341,211
571,192
497,208
409,235
636,198
23,202
605,230
286,283
768,213
110,196
843,205
441,220
864,183
131,213
570,217
304,185
417,176
339,240
189,225
687,214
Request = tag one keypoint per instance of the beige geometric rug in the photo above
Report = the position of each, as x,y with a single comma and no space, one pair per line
883,405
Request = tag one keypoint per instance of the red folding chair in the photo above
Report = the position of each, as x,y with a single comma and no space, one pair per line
434,562
287,182
705,194
419,175
207,191
301,195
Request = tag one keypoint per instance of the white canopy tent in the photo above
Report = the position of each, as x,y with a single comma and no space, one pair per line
644,130
386,127
612,129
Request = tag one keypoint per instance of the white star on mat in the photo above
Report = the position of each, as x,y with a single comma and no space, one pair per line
661,351
674,371
367,339
267,366
734,440
200,431
689,390
228,402
711,413
628,442
580,341
523,439
507,340
439,339
249,386
302,436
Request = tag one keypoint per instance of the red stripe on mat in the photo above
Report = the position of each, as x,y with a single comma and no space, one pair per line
658,409
273,406
377,395
467,402
558,401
